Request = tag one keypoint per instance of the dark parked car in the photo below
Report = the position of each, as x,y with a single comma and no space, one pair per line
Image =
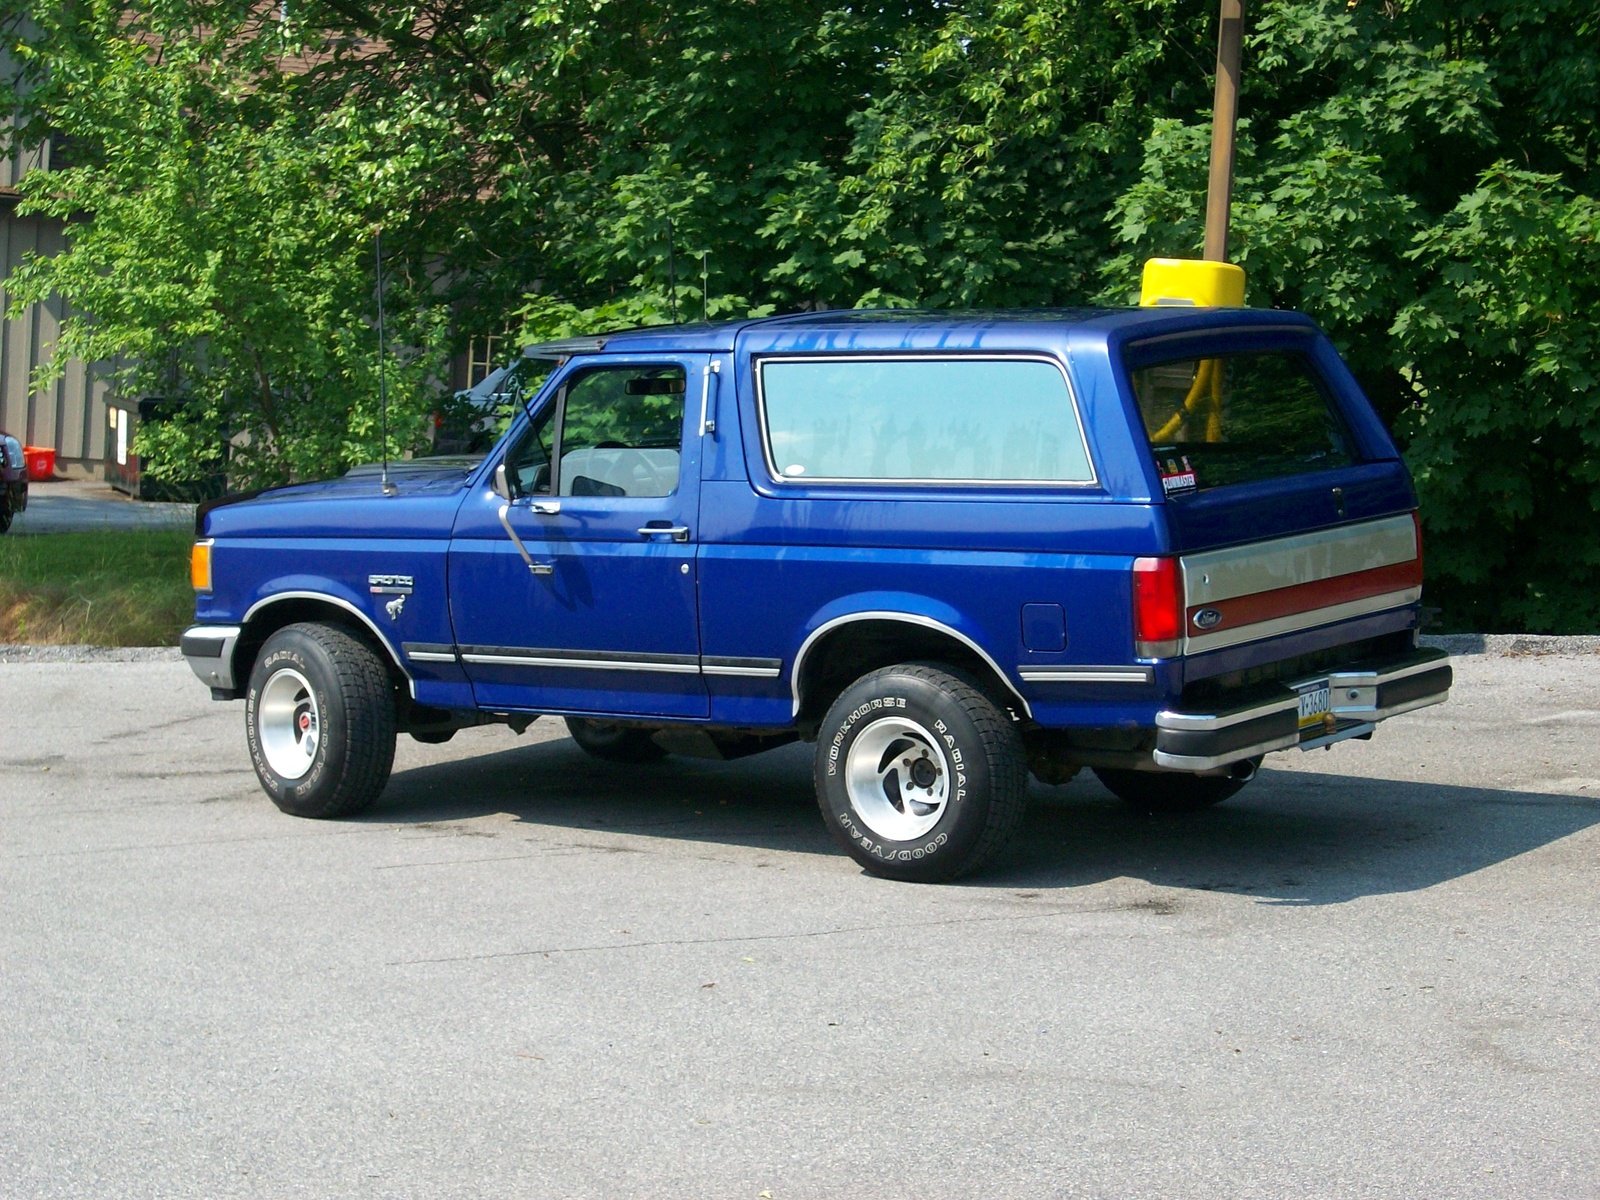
13,479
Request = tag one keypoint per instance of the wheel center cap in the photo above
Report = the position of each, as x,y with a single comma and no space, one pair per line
305,720
924,773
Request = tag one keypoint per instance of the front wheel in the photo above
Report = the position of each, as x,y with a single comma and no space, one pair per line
920,776
1171,793
320,721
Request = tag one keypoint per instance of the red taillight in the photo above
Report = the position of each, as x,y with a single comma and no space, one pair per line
1157,607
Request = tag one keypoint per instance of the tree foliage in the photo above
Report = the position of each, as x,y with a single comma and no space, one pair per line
1417,175
221,253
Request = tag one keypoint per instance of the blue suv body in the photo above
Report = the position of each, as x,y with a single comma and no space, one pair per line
1156,542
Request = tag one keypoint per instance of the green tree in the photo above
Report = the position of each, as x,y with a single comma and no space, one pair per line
1376,191
1501,350
221,249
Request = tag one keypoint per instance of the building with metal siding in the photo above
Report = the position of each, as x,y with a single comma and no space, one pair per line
69,415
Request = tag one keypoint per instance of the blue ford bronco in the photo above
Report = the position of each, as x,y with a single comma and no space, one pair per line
949,549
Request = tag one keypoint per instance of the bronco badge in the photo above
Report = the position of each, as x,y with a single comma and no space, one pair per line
389,585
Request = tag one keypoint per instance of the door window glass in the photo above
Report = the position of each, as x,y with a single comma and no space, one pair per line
621,432
921,421
615,431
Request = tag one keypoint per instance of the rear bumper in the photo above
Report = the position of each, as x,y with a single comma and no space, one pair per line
1359,696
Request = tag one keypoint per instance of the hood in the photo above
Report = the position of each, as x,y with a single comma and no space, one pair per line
427,493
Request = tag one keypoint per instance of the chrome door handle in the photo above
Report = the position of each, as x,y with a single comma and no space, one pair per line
542,568
545,508
680,533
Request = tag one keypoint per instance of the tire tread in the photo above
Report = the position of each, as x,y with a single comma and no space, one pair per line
1002,748
367,699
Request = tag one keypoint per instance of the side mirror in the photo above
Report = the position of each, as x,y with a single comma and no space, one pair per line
502,485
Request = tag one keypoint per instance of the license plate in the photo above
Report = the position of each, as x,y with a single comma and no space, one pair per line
1313,703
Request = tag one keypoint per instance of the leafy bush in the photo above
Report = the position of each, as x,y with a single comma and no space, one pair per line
221,253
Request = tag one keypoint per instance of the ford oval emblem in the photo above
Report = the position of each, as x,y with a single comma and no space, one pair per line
1207,618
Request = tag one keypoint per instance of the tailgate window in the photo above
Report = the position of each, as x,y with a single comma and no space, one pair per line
1237,418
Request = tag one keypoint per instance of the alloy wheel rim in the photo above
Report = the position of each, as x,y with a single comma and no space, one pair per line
289,723
898,779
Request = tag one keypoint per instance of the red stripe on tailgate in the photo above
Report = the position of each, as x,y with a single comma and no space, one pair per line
1307,597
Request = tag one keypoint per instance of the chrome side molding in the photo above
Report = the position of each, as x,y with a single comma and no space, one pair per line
1086,674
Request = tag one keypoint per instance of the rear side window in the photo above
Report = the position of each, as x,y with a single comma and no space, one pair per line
1238,418
928,420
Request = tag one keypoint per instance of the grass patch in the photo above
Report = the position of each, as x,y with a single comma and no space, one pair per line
124,588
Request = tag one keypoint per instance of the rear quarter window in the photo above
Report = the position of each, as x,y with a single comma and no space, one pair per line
927,420
1238,418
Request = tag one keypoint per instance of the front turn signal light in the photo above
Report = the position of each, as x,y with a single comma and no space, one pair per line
200,566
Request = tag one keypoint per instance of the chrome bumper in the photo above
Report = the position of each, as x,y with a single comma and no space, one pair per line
1359,696
208,649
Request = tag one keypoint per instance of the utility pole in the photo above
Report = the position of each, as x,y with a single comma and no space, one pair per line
1212,281
1224,121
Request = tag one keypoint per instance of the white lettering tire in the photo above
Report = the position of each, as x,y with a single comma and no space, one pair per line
920,776
320,721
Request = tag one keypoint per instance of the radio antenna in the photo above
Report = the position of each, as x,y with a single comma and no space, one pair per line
388,487
672,274
705,285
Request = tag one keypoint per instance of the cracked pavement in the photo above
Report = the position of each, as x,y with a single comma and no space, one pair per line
528,974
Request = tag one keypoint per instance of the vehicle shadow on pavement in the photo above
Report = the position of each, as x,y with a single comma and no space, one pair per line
764,801
1294,837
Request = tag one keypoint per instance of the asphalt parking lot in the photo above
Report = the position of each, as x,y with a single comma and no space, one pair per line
92,506
527,974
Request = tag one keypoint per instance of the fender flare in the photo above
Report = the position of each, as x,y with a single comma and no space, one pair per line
905,618
338,602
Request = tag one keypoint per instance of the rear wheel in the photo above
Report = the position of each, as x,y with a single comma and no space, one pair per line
614,742
1173,792
919,774
320,721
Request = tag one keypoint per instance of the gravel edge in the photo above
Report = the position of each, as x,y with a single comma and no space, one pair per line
1513,643
88,654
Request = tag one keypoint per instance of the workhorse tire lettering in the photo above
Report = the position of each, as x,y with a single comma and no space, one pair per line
987,787
355,703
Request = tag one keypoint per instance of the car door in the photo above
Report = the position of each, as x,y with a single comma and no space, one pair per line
575,591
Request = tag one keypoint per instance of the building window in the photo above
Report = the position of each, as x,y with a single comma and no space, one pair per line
482,357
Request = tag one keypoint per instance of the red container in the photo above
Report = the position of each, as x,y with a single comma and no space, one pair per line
41,462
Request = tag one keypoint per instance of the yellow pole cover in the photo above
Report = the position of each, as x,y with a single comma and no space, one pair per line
1192,281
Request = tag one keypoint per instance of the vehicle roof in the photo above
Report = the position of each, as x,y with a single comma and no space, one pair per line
909,323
